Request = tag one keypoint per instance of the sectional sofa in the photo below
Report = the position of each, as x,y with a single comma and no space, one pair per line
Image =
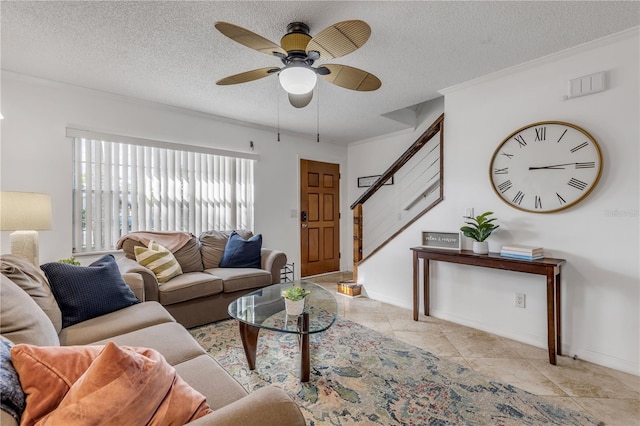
202,293
30,314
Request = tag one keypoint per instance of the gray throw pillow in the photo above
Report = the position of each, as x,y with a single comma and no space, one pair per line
21,319
13,399
213,243
32,280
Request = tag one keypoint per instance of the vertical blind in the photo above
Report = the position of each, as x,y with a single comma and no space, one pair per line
120,187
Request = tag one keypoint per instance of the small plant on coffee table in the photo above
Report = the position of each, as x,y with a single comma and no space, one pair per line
295,293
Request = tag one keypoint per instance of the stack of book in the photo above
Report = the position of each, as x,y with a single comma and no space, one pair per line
522,252
349,288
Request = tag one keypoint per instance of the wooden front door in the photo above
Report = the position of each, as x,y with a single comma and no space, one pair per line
319,217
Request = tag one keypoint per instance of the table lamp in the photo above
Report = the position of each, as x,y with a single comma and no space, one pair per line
26,213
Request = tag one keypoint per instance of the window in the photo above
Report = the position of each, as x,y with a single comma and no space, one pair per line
124,184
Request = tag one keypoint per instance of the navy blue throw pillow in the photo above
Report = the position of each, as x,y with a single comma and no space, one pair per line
241,253
13,398
85,292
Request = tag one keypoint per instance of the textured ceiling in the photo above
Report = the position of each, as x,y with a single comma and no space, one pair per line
170,52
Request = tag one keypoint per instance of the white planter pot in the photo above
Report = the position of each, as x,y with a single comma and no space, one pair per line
481,247
294,307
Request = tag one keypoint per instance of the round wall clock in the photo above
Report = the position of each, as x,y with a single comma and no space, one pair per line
546,167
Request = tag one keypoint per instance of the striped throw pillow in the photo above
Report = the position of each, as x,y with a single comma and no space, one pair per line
159,260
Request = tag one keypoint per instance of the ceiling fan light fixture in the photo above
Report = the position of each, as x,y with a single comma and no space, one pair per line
298,80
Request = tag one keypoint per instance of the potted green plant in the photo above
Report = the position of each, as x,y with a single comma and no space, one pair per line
70,261
294,298
478,229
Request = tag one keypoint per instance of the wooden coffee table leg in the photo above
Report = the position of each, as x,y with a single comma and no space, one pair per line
303,327
249,336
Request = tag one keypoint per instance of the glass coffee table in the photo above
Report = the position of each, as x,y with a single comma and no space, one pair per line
264,308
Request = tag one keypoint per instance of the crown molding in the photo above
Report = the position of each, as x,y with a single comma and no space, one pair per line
553,57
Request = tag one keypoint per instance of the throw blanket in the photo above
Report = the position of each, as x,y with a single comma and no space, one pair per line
172,241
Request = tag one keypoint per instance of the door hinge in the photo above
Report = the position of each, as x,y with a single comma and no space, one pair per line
339,255
339,215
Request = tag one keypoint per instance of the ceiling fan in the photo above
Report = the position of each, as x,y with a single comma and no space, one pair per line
298,51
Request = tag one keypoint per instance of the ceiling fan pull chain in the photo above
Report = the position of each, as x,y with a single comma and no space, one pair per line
318,114
278,107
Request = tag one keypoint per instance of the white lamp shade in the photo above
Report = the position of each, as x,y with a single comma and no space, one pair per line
25,211
298,80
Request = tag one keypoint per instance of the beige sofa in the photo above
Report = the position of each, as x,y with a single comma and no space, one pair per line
203,292
30,314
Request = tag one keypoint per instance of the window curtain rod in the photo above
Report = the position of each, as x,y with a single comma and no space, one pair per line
89,134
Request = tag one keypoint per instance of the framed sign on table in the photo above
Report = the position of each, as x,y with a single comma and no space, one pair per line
441,240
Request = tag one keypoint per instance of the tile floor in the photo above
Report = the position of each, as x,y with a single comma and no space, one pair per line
609,395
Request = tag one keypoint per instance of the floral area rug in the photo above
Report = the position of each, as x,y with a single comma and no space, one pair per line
359,376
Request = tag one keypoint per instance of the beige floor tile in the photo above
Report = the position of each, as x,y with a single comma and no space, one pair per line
629,380
613,412
526,351
517,372
478,344
584,380
435,343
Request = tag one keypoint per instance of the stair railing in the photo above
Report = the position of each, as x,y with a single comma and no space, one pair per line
421,190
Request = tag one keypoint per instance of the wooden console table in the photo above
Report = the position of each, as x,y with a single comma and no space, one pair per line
547,266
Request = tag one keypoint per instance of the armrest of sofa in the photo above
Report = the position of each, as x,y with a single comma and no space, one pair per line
273,261
268,406
128,266
136,283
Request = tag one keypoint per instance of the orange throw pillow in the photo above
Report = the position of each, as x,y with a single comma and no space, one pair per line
121,386
47,373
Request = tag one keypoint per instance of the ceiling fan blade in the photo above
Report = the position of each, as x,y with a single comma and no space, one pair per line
300,101
246,76
340,39
351,78
249,39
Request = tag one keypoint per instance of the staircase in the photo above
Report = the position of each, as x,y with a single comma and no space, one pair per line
383,211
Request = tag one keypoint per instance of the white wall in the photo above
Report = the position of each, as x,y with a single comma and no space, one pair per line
36,155
599,237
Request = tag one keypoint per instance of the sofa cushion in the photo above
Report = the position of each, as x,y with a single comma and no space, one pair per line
88,292
48,374
212,244
123,385
241,253
189,286
236,279
188,256
170,339
134,317
21,319
210,379
32,280
158,260
11,395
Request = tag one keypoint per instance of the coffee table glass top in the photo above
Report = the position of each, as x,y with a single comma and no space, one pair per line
264,308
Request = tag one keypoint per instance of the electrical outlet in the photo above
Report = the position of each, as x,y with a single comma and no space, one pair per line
520,300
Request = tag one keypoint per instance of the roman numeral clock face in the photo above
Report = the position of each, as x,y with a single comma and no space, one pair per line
545,167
